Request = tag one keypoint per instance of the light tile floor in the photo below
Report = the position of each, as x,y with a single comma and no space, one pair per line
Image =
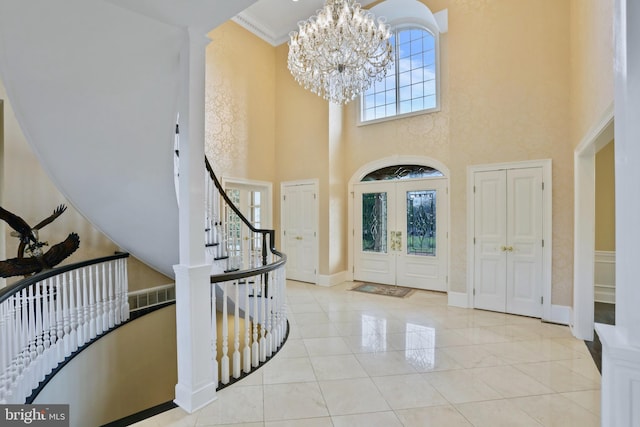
365,360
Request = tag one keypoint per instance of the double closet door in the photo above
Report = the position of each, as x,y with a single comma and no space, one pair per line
508,240
400,233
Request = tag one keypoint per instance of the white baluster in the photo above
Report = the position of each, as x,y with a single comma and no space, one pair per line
214,329
39,314
236,332
125,290
80,319
23,343
112,302
117,309
246,354
86,309
53,326
94,297
255,348
66,309
73,313
59,320
46,328
263,340
269,311
105,300
224,362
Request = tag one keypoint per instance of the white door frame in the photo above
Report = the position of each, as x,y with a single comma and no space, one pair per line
546,226
316,189
584,240
379,164
266,185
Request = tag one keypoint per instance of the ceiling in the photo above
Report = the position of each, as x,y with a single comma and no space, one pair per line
273,20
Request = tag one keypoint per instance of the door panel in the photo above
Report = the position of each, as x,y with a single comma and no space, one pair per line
374,260
299,210
490,237
524,231
422,218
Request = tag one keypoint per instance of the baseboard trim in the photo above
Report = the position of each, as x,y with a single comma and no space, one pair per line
333,279
458,299
560,314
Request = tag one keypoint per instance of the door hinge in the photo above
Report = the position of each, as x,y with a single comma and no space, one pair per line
474,292
315,271
474,240
474,188
447,234
543,186
314,196
353,232
314,234
543,243
284,198
446,279
353,269
447,190
285,232
541,300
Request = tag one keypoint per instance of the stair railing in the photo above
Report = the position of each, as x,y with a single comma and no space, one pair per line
250,293
48,316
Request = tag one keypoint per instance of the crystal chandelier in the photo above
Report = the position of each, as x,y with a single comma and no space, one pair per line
339,52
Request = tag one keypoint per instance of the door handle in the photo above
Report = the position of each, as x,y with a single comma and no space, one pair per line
299,238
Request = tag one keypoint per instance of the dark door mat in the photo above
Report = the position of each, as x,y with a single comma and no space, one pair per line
387,290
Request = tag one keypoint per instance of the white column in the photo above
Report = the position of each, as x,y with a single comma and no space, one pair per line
197,380
621,344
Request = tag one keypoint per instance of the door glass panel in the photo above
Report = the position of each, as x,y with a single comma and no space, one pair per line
374,222
421,222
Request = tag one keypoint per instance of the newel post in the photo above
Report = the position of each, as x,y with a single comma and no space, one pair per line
197,379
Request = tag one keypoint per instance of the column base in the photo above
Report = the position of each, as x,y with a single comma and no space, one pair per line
191,401
620,378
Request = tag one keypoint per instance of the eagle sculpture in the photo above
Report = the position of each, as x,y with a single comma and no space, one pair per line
32,246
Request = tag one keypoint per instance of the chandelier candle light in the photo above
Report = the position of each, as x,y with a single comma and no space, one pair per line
338,53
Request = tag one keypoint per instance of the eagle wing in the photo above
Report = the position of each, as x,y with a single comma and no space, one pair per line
56,213
19,267
62,250
15,222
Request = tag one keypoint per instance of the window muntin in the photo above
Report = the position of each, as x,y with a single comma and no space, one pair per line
411,86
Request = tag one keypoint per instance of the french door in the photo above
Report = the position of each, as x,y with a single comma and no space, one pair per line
401,233
508,206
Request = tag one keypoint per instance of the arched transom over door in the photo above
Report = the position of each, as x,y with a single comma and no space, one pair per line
400,227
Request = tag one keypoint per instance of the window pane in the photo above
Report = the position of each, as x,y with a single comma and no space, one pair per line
416,46
405,93
411,82
391,97
421,222
404,36
417,90
374,222
405,80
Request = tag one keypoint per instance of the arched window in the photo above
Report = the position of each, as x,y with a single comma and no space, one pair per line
411,86
402,172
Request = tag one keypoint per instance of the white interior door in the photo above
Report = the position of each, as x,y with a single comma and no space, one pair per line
401,233
299,231
508,208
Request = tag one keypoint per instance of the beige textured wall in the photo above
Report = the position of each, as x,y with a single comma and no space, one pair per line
240,97
591,29
29,193
605,199
302,148
505,98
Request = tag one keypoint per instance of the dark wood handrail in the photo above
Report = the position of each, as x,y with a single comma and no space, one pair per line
7,292
234,208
